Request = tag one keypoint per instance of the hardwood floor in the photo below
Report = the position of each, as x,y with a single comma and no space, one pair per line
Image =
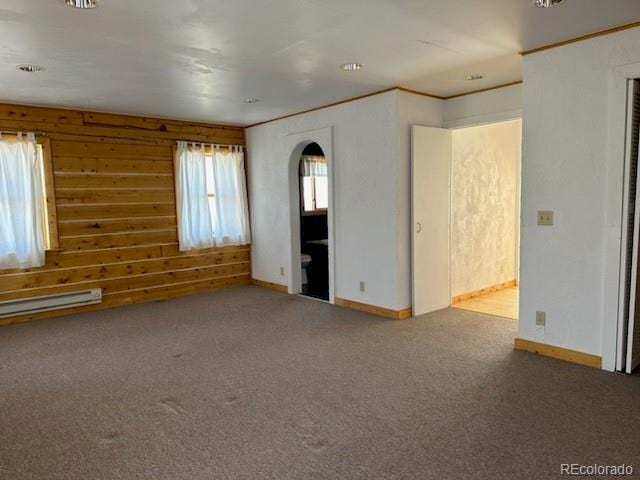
503,303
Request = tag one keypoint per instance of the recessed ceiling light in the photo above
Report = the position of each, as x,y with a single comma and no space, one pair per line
547,3
251,100
474,77
30,68
81,3
351,67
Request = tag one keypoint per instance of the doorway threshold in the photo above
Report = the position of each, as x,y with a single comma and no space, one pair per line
317,299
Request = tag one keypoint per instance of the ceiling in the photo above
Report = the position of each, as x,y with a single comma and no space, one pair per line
198,59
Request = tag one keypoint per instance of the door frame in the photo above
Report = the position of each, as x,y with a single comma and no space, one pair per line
613,335
296,143
494,119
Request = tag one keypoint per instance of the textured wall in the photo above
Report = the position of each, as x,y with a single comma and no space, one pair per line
484,205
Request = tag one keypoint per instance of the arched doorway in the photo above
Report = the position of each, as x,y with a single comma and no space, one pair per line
296,144
314,222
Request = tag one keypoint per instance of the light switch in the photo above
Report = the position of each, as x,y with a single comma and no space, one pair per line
545,217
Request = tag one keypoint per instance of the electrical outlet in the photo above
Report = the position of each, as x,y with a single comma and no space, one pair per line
361,286
282,271
541,319
545,217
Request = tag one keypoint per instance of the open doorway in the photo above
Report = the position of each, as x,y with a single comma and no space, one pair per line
485,218
314,225
466,218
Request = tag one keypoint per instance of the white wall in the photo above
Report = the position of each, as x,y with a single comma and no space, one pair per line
484,205
372,194
484,107
566,167
366,210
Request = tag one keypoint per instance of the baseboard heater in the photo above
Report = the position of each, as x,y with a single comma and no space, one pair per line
23,306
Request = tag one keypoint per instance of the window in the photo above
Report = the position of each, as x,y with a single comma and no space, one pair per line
315,187
211,196
28,225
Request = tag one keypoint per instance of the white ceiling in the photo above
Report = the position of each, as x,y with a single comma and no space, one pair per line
197,59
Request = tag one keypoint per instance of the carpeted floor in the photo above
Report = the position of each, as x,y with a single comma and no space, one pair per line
248,383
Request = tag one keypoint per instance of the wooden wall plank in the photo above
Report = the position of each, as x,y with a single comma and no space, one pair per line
114,196
120,225
116,218
92,181
113,165
110,150
22,281
93,242
113,210
131,135
30,114
134,282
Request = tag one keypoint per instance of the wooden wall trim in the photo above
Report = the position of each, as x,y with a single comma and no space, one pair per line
476,293
423,94
581,38
482,90
114,197
375,310
559,353
379,92
321,107
270,285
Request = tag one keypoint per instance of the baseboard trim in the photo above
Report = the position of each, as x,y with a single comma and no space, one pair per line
558,353
270,285
483,291
375,310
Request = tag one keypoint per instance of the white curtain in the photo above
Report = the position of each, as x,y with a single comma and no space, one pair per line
211,195
314,166
195,229
22,209
231,214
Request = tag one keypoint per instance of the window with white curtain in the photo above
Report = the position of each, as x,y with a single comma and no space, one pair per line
24,231
315,187
211,195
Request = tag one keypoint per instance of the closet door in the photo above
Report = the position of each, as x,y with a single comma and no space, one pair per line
430,192
632,308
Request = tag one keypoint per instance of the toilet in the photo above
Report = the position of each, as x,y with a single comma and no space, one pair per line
305,260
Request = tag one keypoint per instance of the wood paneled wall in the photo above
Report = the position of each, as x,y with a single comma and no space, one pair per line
116,216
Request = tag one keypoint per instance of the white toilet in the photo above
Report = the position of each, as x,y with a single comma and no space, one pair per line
305,260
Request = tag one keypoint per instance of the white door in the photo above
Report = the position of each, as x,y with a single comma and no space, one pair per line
430,192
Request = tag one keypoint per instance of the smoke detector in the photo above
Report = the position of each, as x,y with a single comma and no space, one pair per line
548,3
81,3
30,68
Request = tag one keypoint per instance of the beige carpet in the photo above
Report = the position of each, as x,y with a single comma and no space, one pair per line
251,384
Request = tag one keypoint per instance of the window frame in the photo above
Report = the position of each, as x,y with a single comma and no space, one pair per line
49,191
316,210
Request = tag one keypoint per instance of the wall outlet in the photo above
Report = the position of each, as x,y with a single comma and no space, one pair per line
361,286
545,217
282,271
541,319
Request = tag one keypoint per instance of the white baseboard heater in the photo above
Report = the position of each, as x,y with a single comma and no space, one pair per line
23,306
